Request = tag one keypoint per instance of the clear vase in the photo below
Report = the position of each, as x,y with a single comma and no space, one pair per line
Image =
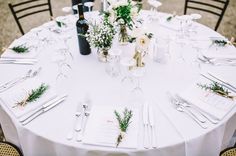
103,54
123,35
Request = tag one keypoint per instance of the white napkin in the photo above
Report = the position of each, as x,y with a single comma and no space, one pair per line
211,103
102,128
31,54
226,52
173,24
18,92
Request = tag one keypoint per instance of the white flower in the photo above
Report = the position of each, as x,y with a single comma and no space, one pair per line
137,32
134,12
142,42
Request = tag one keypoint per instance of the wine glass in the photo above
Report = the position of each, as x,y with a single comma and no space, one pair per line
113,68
127,65
137,74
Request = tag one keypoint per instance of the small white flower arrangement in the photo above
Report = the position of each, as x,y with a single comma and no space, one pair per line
100,35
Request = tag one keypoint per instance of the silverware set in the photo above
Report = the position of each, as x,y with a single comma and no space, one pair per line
149,127
215,79
51,103
18,61
197,115
30,74
80,121
214,61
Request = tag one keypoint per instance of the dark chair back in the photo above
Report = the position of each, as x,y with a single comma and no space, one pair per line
216,7
9,149
26,8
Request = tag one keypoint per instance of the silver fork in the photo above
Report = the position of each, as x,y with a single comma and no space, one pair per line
12,83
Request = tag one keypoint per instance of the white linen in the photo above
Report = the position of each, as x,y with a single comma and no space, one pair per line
177,134
211,103
20,91
103,128
31,54
216,52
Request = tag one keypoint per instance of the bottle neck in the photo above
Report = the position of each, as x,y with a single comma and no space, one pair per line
80,10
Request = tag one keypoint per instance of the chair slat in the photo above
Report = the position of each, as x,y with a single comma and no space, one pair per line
30,7
31,13
204,10
30,1
206,4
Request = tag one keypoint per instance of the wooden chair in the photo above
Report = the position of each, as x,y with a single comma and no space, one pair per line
216,7
26,8
8,149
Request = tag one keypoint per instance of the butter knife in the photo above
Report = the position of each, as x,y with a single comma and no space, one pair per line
44,109
152,127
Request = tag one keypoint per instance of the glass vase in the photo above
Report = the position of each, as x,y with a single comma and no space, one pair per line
103,54
123,35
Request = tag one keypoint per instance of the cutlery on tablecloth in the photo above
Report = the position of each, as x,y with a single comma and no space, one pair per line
30,74
222,83
146,141
208,117
83,120
183,109
44,108
152,127
76,123
18,61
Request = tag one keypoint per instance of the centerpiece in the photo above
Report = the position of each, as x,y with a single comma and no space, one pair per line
123,13
101,36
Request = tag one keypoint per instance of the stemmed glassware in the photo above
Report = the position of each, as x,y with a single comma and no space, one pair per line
137,74
113,68
127,65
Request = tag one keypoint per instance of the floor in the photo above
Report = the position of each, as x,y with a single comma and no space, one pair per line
9,30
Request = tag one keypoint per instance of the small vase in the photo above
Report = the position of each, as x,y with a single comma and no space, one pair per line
103,54
123,35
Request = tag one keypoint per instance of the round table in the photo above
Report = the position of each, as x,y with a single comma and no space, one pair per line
177,134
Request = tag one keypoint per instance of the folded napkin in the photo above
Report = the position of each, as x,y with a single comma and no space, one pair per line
31,44
215,105
102,128
217,52
173,24
15,94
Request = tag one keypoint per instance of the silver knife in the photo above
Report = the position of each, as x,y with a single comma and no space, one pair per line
18,62
222,84
226,83
146,142
43,110
153,128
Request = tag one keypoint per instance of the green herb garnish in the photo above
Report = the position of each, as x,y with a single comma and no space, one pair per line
216,88
60,24
20,49
33,95
169,18
221,43
123,123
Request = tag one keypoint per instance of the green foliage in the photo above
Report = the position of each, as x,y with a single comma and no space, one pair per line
33,95
123,123
221,43
20,49
216,88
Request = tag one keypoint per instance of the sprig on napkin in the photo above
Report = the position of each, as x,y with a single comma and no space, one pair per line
220,43
123,123
20,49
216,88
60,24
33,95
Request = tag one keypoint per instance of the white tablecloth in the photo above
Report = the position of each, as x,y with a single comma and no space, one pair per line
177,134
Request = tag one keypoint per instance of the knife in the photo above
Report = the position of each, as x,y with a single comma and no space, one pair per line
44,109
222,84
152,126
17,62
226,83
146,142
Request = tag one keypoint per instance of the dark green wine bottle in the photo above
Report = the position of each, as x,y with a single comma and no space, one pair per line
82,27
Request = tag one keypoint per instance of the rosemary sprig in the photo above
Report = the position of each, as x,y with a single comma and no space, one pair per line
60,24
33,95
216,88
221,43
20,49
123,123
